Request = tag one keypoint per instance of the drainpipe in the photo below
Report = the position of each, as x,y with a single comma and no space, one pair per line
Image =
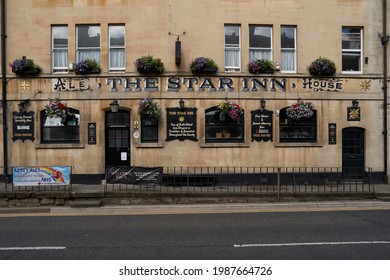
385,41
4,88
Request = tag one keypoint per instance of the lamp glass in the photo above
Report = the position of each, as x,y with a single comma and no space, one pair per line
114,105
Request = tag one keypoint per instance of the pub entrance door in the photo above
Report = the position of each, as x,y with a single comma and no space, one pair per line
117,135
353,153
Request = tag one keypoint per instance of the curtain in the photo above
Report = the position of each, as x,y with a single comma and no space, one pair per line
117,59
288,60
232,58
60,59
259,54
90,54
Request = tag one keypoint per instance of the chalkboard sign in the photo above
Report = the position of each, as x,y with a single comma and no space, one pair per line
262,125
181,124
23,126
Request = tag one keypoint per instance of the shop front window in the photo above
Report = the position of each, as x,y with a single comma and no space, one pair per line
221,129
55,130
297,130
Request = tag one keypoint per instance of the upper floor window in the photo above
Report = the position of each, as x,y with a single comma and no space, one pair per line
88,42
352,50
260,42
288,49
117,47
57,130
232,48
59,35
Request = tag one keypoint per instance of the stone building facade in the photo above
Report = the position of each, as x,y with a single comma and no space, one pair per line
59,34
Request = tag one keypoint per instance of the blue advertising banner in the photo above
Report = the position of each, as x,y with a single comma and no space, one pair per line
41,175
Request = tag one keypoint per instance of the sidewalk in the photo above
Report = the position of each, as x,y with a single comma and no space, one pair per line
381,201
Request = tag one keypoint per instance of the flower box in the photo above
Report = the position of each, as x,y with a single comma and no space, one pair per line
261,66
25,67
203,65
149,65
87,66
322,66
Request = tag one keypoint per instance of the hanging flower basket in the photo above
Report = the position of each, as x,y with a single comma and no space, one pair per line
148,109
87,66
322,66
25,67
203,65
301,109
229,110
261,66
149,65
56,109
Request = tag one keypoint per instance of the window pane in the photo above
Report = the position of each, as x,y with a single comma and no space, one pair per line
260,36
351,38
88,36
117,36
351,61
288,60
288,37
60,36
232,36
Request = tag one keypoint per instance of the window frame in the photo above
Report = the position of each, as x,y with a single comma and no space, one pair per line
58,130
232,47
300,125
261,48
288,49
65,68
349,51
116,47
221,127
79,49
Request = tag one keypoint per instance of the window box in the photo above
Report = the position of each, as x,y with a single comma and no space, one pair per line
322,66
87,66
25,67
261,66
149,65
203,65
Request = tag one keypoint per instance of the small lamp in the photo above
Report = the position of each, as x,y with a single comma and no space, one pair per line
114,105
355,103
262,103
23,104
181,103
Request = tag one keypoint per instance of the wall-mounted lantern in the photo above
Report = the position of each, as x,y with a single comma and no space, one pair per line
114,105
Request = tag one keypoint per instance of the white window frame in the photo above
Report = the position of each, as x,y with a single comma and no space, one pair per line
64,68
353,51
116,48
268,50
231,47
79,49
289,50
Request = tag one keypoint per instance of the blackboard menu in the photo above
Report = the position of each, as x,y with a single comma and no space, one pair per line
262,125
181,124
23,126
